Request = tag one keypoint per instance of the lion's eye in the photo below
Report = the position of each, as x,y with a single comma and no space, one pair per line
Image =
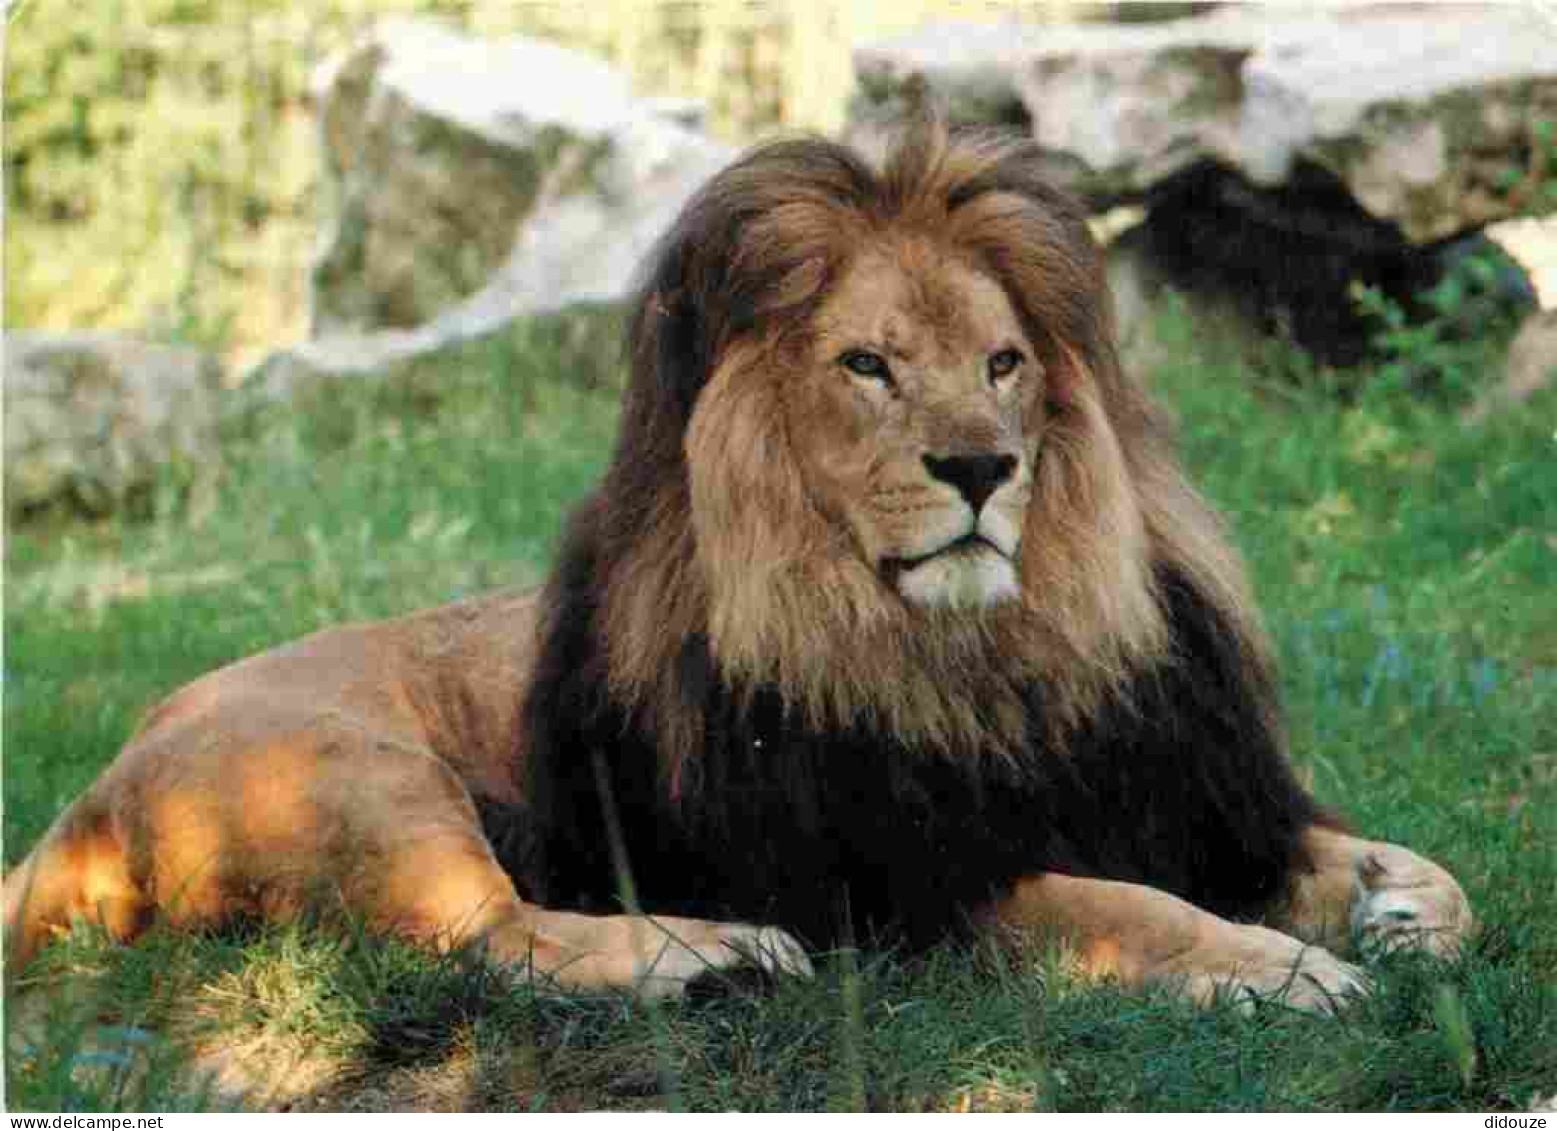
864,363
1004,363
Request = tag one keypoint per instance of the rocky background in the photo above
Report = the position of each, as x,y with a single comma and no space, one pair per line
1279,158
1264,163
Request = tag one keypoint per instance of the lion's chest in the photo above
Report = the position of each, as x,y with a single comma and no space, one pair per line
825,836
839,836
841,839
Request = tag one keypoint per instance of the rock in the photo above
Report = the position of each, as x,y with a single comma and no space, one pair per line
93,418
1282,157
475,179
489,194
583,341
1531,366
1532,241
1431,117
1428,115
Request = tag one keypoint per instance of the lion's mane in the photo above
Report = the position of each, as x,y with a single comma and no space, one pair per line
731,710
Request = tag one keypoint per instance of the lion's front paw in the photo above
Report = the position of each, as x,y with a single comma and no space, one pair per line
1402,900
686,951
1256,964
769,949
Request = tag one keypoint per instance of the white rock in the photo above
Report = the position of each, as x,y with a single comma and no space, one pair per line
477,179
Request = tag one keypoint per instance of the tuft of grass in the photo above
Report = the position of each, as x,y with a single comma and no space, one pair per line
1404,563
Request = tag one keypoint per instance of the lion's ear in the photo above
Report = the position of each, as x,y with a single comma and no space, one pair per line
748,248
673,334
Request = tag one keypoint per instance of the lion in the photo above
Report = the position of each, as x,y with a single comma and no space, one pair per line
894,620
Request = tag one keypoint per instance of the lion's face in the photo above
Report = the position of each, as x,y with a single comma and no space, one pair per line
878,458
915,421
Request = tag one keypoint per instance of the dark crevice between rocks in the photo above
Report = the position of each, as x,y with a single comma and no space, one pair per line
1287,258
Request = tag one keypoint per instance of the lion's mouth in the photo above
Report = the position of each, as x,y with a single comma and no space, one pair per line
972,572
969,544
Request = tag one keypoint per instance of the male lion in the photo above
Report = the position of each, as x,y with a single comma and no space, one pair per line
893,617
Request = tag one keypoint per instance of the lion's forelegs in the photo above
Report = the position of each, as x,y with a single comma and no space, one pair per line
1365,894
1144,937
456,896
654,956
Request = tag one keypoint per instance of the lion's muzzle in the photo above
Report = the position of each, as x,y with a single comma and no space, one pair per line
974,570
966,556
970,574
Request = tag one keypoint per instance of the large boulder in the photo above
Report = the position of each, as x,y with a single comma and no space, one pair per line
488,196
471,180
582,341
91,419
1430,116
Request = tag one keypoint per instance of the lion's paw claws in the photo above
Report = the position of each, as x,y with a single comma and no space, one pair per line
1404,901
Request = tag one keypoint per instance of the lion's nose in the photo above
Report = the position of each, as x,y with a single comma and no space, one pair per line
975,477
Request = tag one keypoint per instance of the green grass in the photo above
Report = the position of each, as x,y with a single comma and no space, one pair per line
1405,565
